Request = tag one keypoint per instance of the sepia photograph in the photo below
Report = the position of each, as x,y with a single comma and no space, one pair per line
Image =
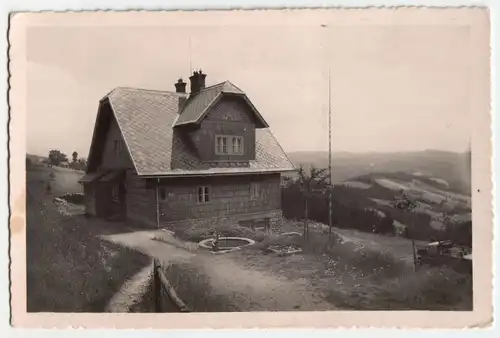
194,163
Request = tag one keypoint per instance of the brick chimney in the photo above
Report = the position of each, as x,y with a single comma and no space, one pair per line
197,82
180,86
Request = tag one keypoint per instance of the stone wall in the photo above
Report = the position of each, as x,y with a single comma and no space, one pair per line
273,218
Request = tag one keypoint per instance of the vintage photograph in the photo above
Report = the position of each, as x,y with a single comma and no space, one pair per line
198,165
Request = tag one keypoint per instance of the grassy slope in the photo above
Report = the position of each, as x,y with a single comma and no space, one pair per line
69,269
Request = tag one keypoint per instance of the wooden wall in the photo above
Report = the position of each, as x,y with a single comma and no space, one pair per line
229,195
140,199
108,158
231,116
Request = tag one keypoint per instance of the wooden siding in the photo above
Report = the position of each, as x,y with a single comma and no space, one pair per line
229,117
108,158
228,196
140,199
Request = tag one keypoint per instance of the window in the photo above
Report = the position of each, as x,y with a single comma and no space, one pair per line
222,142
115,191
221,145
254,190
237,149
118,147
203,194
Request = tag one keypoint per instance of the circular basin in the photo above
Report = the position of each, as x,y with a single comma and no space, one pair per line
227,243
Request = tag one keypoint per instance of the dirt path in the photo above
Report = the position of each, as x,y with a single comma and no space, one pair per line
249,289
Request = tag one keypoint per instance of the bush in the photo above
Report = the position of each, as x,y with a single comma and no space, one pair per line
74,198
198,233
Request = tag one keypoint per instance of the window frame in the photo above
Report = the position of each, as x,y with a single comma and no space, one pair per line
117,148
115,191
227,143
203,191
255,191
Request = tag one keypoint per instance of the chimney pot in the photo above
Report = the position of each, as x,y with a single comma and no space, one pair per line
197,82
180,86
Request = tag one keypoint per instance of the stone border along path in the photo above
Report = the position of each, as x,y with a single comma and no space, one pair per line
132,291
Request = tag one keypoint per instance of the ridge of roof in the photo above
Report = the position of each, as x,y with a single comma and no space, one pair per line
134,89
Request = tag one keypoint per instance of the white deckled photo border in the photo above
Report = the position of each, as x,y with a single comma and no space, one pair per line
482,186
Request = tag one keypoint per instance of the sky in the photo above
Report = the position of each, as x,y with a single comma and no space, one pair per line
393,87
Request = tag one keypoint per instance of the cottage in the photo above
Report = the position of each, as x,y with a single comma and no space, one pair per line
163,158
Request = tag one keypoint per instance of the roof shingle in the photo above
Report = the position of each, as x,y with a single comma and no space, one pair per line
146,119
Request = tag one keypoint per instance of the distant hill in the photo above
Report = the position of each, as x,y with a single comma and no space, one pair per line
449,166
36,158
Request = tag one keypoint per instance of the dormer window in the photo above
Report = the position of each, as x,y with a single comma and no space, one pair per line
237,148
228,145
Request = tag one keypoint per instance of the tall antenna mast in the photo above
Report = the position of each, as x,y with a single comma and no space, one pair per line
330,187
190,64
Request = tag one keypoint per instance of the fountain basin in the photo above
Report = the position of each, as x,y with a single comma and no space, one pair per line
227,243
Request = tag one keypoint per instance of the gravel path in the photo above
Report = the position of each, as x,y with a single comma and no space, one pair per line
248,289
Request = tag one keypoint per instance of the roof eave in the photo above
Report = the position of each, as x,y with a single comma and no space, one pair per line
201,173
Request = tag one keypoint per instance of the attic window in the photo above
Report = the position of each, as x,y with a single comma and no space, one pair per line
228,145
117,147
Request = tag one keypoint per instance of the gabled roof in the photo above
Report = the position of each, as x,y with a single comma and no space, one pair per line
197,106
146,119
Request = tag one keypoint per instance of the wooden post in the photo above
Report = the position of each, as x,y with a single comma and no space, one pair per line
157,204
156,286
414,255
329,159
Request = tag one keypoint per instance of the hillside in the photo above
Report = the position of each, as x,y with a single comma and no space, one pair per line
452,167
366,186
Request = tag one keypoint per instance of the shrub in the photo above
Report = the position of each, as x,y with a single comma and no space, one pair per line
198,233
74,198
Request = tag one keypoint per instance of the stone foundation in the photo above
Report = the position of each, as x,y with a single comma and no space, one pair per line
273,218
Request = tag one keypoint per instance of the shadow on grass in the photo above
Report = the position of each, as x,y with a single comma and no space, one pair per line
194,288
70,269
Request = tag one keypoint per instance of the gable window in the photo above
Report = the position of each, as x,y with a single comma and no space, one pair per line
203,194
117,147
115,191
228,145
254,190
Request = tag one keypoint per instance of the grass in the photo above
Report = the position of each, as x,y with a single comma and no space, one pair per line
70,269
361,276
438,289
194,289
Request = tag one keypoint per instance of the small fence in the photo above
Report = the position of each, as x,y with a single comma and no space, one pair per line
166,298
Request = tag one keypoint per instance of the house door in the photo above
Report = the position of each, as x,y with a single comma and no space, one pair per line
118,198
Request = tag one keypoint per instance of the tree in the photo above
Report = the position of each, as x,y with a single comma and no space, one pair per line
314,183
75,156
407,204
56,157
